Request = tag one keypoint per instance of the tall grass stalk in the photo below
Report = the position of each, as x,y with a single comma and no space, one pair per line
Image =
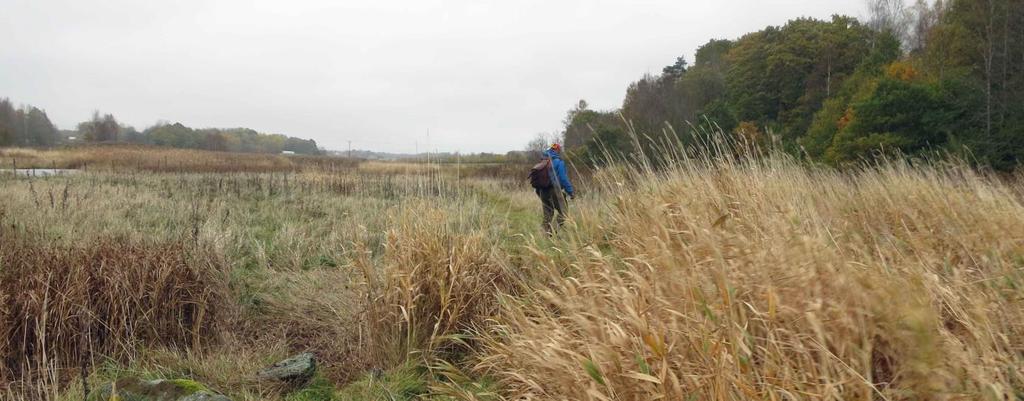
736,274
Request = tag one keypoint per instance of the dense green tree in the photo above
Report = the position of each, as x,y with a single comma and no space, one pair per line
898,115
171,135
681,95
233,140
923,77
587,132
301,146
829,119
976,47
100,128
8,127
30,126
703,85
675,70
609,142
131,135
982,42
39,131
780,76
26,126
576,133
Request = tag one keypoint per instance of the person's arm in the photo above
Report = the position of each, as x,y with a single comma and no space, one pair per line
563,177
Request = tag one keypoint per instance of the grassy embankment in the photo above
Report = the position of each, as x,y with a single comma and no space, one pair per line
715,278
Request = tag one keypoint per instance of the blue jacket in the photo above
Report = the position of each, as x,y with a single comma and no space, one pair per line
559,166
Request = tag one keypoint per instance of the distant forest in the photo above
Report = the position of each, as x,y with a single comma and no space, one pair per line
30,126
934,76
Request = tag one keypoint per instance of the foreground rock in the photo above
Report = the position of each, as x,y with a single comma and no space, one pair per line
135,389
298,368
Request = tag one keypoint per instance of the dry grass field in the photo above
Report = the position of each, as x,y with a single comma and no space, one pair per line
733,277
156,159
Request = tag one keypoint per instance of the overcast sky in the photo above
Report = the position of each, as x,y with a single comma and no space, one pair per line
480,75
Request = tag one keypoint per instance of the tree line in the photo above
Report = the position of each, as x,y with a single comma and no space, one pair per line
26,126
30,126
943,76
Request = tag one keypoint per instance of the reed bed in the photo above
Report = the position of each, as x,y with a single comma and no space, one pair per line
165,160
734,278
66,307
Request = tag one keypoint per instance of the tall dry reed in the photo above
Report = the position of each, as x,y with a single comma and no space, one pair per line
754,277
62,306
167,160
436,280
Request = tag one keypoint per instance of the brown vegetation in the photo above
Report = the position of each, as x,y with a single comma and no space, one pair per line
734,277
61,305
159,159
763,279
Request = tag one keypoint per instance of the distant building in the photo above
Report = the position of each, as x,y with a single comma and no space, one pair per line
287,152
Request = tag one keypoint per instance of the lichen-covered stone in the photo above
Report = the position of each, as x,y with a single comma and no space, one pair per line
135,389
298,368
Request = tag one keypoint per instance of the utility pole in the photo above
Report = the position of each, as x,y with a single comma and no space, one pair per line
349,149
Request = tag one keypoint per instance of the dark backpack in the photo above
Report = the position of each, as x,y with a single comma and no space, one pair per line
540,175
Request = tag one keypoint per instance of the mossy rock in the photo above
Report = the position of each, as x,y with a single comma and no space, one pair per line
135,389
297,369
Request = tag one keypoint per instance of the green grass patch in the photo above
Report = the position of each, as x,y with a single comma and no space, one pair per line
318,389
406,382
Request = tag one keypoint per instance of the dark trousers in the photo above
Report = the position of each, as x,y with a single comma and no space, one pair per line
552,200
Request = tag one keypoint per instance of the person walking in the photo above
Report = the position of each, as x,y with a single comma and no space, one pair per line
550,180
